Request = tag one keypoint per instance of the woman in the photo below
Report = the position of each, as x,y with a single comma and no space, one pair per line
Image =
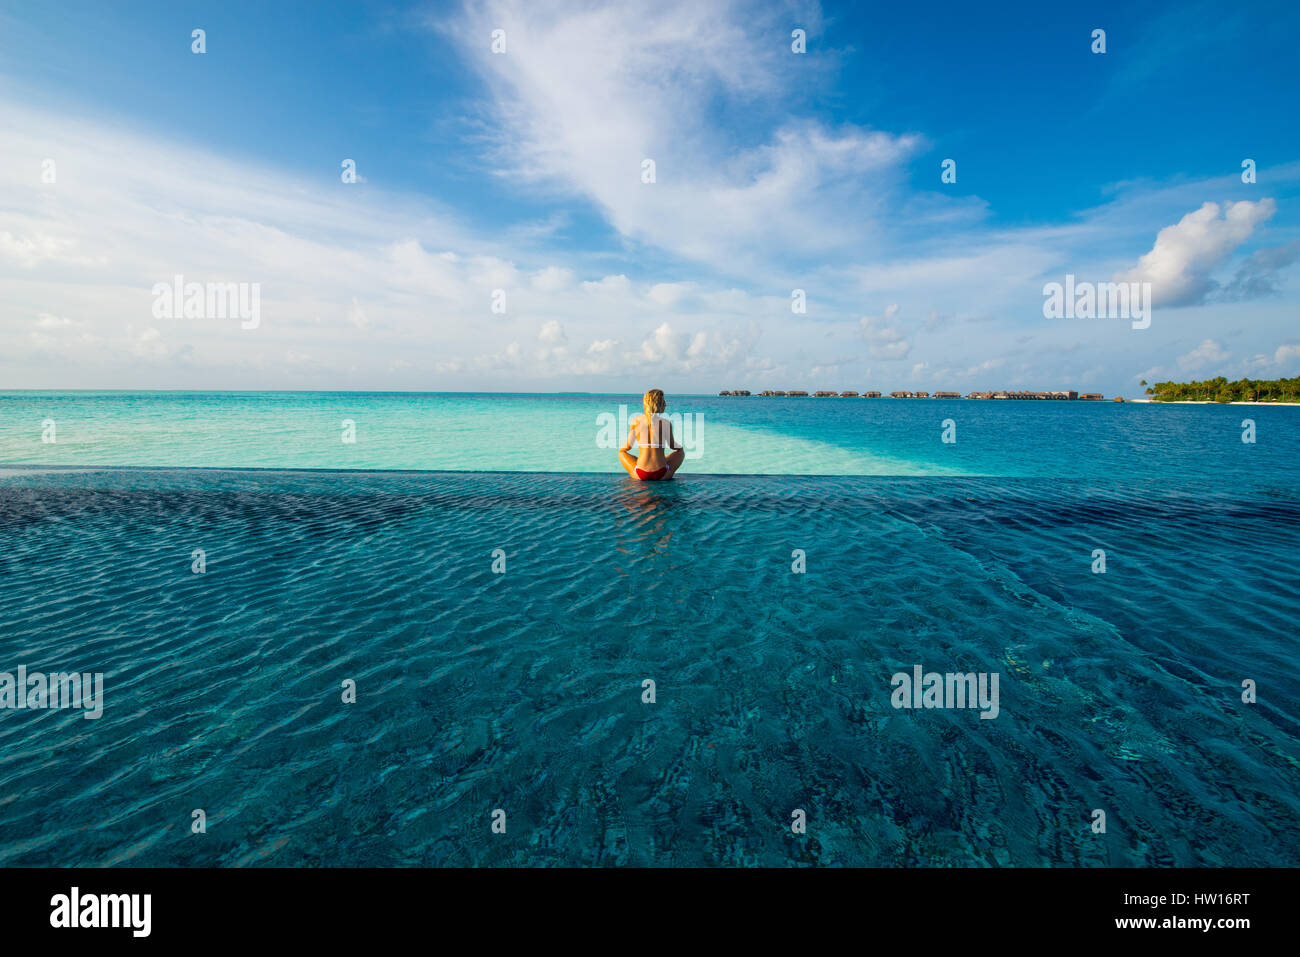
652,434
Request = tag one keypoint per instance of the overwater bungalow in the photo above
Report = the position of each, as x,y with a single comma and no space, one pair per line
848,395
947,395
871,395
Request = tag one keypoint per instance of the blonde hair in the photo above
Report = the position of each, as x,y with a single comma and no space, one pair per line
654,401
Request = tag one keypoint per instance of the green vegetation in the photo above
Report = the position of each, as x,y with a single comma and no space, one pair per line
1220,389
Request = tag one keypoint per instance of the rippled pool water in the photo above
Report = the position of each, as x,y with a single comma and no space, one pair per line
523,690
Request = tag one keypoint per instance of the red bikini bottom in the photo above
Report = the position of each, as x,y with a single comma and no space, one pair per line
651,476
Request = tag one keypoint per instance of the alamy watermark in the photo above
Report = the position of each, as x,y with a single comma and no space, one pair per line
209,300
1102,300
56,690
935,690
76,909
687,428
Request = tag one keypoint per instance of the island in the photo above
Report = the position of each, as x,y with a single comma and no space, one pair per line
1220,389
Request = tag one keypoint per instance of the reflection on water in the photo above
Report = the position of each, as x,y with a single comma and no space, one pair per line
649,513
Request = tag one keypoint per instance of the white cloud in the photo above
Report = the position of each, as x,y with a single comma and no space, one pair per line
663,344
1180,264
885,341
988,365
552,278
356,285
1284,362
1207,353
357,315
668,349
1287,353
640,88
29,251
670,293
552,332
149,344
609,284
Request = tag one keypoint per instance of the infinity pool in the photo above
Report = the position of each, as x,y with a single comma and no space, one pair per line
521,689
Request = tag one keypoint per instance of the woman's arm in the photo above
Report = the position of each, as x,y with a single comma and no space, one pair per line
631,436
672,439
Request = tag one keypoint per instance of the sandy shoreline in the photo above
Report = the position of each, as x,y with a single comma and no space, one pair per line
1206,402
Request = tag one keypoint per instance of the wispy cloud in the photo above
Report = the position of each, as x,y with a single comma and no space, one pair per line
584,96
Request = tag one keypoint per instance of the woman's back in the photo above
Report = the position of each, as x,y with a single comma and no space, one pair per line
651,431
653,435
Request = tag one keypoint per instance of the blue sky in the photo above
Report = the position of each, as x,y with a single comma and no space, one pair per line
521,172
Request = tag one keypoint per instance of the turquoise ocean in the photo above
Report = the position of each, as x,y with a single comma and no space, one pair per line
500,594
